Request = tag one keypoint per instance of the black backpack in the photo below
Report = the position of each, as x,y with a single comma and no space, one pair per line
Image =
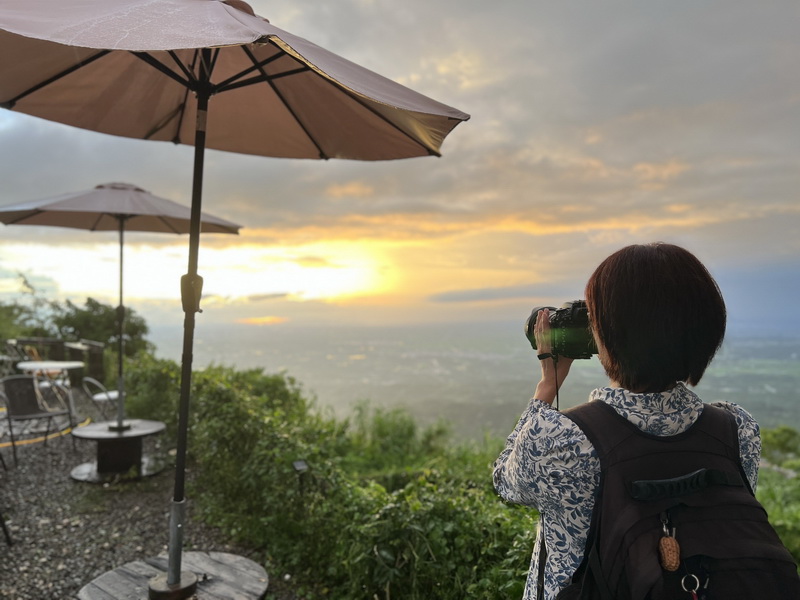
691,489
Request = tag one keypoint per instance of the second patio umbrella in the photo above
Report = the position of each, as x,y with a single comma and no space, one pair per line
113,207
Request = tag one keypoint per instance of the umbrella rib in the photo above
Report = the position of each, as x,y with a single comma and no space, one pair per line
10,103
260,78
345,90
285,104
96,222
163,123
186,71
225,85
181,109
189,82
168,225
21,220
366,106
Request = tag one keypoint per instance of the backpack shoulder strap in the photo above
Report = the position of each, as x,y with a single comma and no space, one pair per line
605,429
602,425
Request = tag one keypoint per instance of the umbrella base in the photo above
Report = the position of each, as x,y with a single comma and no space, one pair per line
89,473
220,576
161,590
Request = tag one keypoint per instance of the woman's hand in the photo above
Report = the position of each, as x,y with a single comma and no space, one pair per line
552,375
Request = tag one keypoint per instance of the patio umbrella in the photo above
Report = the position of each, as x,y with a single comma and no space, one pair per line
145,69
113,207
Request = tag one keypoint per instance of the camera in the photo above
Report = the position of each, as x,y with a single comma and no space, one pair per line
570,334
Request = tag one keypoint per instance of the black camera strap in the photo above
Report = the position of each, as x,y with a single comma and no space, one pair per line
545,356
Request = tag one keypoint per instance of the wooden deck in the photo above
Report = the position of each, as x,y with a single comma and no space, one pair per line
220,576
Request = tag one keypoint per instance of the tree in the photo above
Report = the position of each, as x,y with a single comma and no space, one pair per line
34,315
99,322
11,318
34,312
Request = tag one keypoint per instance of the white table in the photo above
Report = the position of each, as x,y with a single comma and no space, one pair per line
49,366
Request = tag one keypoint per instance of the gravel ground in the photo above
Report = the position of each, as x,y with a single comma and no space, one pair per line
66,532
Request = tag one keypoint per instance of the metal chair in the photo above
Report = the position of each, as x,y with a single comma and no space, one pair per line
26,400
105,400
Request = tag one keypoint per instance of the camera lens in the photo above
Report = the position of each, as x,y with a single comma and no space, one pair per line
570,335
529,324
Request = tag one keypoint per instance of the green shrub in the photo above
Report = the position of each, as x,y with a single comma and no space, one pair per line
383,509
780,445
152,389
436,539
780,496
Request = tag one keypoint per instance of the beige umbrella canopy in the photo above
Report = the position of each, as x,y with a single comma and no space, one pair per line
133,68
117,207
209,73
109,205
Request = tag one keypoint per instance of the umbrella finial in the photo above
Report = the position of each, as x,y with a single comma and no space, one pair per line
119,186
241,5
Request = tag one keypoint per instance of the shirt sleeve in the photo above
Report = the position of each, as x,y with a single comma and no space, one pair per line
547,463
749,440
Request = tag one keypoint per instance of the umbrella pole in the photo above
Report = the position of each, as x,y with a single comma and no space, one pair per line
182,584
120,425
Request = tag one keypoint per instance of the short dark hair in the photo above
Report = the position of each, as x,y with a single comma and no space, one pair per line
659,314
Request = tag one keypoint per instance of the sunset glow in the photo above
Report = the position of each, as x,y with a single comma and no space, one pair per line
317,271
569,155
314,271
269,320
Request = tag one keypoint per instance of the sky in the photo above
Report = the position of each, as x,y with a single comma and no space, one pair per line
593,126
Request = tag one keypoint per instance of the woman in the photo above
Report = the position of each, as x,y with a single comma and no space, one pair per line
658,318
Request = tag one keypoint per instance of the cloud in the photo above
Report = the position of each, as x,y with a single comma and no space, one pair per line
352,189
465,70
527,291
659,173
590,130
257,298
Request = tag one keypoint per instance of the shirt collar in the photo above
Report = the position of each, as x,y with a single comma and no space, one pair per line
664,413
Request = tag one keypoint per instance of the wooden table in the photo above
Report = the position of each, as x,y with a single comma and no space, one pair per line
220,576
119,451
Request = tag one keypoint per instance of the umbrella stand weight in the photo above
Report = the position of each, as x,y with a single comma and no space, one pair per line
161,588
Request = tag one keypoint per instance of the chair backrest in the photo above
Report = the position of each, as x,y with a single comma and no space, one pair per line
9,359
14,350
32,352
103,398
53,395
93,388
21,395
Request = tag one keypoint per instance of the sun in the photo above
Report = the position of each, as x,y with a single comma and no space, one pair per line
329,271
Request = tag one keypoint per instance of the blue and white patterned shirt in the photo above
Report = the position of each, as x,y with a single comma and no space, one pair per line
548,463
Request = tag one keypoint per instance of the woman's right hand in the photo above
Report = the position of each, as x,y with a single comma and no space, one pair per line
552,375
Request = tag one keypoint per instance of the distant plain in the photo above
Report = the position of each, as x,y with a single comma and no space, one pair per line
478,377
